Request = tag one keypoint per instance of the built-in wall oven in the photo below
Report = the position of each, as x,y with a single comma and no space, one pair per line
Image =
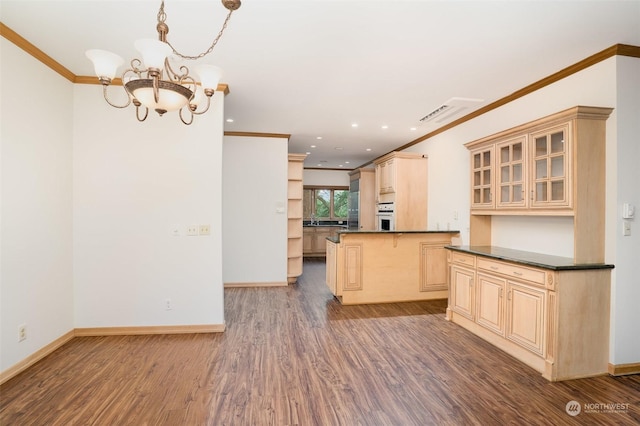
386,217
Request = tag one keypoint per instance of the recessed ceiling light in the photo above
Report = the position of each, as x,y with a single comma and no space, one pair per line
339,148
313,146
340,165
319,165
229,120
385,127
354,125
308,153
368,149
413,128
346,162
318,137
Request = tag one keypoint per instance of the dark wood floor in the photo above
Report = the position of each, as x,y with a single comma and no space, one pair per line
296,356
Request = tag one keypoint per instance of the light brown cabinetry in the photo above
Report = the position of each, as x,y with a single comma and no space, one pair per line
384,267
366,203
401,178
331,265
315,239
294,217
433,276
550,176
490,308
482,160
556,321
531,167
554,166
461,294
525,313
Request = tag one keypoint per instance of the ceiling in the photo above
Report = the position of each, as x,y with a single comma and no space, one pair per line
312,69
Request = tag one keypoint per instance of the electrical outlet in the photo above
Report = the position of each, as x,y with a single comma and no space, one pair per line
204,230
22,332
192,230
167,304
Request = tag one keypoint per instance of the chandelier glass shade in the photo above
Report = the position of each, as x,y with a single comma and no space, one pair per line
152,83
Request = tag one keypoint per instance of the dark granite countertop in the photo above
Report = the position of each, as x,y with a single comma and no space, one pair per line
556,263
336,239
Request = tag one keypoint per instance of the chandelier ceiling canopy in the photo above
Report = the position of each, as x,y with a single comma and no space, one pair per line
152,83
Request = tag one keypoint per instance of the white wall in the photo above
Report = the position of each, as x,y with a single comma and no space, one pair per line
254,203
326,177
133,183
36,284
611,83
625,251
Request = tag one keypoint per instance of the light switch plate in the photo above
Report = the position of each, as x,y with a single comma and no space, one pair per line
626,228
628,211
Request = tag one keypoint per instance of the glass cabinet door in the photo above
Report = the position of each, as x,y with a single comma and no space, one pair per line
511,171
481,178
550,172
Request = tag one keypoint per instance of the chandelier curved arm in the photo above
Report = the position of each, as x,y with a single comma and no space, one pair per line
182,118
106,98
146,113
206,108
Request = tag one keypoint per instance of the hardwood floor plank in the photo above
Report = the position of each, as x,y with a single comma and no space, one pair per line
295,356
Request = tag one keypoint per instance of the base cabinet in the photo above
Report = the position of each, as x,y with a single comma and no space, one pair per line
491,307
525,311
556,321
461,292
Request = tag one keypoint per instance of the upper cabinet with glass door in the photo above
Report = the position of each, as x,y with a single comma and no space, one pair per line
511,186
551,186
482,178
530,169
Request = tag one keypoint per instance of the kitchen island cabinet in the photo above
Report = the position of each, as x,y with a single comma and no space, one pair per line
386,266
549,312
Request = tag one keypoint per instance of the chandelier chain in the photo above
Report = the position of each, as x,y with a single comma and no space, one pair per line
162,16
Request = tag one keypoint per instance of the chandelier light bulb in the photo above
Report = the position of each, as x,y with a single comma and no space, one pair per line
105,63
153,52
210,76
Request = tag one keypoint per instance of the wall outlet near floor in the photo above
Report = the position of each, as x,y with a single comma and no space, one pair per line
167,304
22,332
192,230
204,230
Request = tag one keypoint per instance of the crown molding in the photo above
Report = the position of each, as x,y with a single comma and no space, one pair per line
615,50
258,134
38,54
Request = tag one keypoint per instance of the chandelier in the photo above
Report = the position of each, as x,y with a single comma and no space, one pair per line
151,83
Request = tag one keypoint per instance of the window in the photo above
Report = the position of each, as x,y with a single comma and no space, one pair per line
324,203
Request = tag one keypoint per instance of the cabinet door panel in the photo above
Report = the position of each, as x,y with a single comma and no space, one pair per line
482,178
462,291
433,270
551,162
490,308
525,308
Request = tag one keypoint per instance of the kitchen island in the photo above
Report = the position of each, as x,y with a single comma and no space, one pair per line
388,266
